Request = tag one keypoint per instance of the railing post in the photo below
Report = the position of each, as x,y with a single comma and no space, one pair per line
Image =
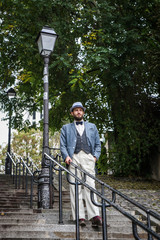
16,176
58,159
60,195
51,185
26,181
135,234
19,182
76,206
31,193
13,173
149,225
76,183
23,176
104,219
39,195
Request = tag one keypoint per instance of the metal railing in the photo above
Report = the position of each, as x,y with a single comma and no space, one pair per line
104,203
23,174
22,168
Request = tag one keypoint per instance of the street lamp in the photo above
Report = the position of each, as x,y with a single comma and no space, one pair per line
46,40
8,168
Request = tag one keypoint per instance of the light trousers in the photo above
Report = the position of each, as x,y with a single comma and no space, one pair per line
87,163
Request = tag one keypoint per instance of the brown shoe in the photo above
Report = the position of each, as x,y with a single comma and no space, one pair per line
82,222
96,221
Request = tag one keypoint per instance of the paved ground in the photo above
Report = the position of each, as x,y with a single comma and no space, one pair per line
145,192
149,198
136,190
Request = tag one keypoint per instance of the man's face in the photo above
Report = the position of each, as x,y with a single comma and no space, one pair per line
78,113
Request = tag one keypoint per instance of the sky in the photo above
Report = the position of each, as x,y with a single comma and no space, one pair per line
4,126
3,130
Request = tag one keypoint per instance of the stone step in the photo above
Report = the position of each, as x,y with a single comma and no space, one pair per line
18,221
6,210
15,194
16,197
16,191
125,228
29,214
55,231
51,217
10,182
21,192
16,214
6,187
55,219
66,235
51,220
17,206
17,200
15,238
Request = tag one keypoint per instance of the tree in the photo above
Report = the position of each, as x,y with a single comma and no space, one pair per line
117,49
29,144
107,56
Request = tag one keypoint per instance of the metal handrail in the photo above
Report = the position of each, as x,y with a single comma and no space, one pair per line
60,188
11,158
31,160
103,205
19,157
17,163
14,166
147,211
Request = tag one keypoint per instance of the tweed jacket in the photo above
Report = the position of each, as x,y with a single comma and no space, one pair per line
68,139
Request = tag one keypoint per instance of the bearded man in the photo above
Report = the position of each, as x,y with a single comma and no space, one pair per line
80,144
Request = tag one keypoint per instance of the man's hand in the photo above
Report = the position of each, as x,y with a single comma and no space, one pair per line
68,160
95,158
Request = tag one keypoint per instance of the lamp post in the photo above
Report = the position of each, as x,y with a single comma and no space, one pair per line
46,40
8,168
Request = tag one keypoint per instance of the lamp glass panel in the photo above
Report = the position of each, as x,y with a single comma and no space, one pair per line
48,42
40,47
11,95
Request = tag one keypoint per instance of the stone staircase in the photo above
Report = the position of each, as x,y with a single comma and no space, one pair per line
18,221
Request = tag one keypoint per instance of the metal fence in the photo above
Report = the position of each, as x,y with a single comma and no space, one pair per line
24,168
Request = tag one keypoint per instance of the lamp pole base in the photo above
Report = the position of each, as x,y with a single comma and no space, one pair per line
44,189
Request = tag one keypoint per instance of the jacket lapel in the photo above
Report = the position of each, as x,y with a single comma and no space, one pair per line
86,128
73,128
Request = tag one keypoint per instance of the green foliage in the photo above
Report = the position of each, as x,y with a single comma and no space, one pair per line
29,144
102,163
3,151
106,56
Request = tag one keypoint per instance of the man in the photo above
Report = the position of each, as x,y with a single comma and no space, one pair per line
80,144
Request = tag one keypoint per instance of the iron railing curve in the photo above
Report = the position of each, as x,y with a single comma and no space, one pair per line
143,208
32,162
135,222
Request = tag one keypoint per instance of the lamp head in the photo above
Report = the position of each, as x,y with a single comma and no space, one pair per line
11,93
46,40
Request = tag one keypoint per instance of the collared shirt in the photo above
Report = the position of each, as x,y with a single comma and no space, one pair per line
79,127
